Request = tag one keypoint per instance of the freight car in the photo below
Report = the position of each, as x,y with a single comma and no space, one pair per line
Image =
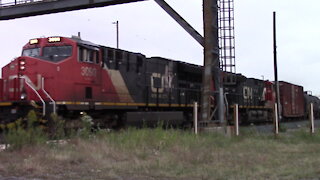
309,98
292,101
117,87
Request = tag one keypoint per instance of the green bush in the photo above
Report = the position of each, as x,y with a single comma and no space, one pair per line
56,127
30,135
87,123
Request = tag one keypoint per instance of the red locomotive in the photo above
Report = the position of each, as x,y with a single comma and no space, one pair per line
70,75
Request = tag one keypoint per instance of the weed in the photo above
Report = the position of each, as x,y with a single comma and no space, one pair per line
56,127
87,123
29,135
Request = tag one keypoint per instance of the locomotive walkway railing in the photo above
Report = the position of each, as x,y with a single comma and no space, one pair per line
36,92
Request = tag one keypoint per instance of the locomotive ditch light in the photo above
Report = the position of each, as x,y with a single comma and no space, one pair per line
22,64
54,39
33,41
23,96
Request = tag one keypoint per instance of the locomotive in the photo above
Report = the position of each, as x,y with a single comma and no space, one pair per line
69,76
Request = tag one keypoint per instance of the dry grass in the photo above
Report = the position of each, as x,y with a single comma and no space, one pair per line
172,154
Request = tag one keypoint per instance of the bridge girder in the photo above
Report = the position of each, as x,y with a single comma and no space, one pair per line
18,9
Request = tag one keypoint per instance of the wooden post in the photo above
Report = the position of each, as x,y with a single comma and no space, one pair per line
275,63
276,120
195,117
236,118
311,119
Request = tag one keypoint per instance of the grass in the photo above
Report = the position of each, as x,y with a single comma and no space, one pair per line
168,154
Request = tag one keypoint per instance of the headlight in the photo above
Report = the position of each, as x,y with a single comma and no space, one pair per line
23,96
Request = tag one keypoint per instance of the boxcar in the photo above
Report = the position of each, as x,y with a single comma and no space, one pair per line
292,100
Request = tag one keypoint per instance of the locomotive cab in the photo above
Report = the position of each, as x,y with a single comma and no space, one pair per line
53,50
48,71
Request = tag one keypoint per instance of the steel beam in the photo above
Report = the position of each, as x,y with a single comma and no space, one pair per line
211,73
19,9
183,23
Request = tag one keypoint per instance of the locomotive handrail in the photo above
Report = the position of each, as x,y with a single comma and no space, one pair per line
53,102
43,103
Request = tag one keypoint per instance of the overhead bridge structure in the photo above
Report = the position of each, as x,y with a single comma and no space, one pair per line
25,8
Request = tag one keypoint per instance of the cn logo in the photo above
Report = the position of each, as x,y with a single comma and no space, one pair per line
247,92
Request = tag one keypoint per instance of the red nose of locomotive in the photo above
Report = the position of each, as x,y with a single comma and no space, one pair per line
12,83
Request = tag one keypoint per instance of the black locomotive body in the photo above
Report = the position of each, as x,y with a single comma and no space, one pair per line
252,96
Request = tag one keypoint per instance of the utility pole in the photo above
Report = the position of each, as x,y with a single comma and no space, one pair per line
117,28
211,72
276,66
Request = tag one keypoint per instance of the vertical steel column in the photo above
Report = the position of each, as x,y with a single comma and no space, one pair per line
211,57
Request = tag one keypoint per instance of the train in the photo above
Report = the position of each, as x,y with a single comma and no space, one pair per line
69,76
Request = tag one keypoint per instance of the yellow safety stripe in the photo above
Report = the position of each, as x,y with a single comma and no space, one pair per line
124,104
5,103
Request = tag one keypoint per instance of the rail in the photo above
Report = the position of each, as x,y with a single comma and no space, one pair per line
34,90
47,94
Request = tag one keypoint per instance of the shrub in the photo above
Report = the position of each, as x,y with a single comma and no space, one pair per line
30,135
56,127
87,123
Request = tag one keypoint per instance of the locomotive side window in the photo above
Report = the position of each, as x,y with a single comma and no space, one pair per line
57,53
34,52
90,55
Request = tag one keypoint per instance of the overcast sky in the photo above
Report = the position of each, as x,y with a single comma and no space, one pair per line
146,28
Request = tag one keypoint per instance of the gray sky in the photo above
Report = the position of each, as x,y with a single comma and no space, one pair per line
146,28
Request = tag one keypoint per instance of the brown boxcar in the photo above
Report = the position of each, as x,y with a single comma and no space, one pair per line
292,100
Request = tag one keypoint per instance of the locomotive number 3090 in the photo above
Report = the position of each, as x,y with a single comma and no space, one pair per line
88,71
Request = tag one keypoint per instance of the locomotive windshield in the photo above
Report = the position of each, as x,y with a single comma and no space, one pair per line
56,53
34,52
49,53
